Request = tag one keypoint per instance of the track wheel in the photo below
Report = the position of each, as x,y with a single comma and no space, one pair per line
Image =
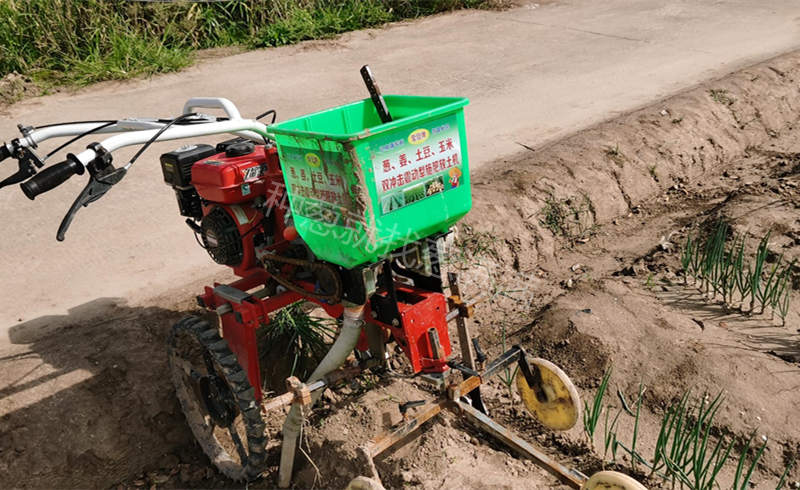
217,399
612,480
554,401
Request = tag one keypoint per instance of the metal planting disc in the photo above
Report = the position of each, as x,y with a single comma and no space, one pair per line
612,480
558,406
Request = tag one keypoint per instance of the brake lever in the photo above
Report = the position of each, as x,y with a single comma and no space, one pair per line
28,162
94,190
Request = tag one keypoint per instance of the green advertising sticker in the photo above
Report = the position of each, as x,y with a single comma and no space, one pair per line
318,187
417,165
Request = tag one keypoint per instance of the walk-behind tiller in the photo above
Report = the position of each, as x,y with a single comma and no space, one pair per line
349,208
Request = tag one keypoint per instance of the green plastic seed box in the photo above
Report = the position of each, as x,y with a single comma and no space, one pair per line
359,189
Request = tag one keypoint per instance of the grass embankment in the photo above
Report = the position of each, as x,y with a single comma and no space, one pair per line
67,42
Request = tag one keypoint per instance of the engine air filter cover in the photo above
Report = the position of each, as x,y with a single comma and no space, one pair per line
177,165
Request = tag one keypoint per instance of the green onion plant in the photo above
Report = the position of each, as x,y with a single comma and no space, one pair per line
720,266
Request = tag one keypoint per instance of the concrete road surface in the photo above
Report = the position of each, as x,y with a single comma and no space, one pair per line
533,74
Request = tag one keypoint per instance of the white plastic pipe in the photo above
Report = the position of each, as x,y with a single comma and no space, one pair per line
212,103
341,348
244,127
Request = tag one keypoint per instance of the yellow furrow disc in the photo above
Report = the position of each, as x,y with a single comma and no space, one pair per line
364,483
562,407
612,480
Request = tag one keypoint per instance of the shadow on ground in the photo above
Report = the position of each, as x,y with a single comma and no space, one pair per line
85,399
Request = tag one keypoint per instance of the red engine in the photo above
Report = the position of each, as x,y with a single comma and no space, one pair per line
236,192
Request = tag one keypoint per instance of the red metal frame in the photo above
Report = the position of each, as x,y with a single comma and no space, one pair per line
239,326
220,181
420,311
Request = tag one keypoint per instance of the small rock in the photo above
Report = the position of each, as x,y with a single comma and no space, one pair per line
408,476
626,271
159,478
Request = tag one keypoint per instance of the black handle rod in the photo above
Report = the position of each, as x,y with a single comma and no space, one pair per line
375,94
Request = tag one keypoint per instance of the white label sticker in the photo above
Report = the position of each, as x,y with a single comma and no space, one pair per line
252,172
241,216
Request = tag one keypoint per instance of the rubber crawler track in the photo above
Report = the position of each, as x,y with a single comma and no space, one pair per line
209,339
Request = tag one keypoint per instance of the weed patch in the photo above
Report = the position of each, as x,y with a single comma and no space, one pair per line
721,96
571,218
64,42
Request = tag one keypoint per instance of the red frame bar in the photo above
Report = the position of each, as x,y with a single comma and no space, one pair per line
428,310
239,326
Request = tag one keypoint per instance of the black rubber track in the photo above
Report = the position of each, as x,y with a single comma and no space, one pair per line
228,367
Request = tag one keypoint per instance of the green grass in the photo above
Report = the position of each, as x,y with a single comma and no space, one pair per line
68,42
721,96
303,339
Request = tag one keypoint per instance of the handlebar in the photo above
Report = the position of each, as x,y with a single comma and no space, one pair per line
52,177
212,103
132,131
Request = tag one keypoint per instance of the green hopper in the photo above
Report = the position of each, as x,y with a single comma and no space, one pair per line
359,189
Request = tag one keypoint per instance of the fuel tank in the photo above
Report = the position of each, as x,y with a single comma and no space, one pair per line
236,175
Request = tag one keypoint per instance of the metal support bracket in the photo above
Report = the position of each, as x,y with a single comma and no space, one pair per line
452,401
230,293
571,477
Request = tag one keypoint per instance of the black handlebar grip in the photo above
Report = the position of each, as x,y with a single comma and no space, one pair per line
51,177
4,152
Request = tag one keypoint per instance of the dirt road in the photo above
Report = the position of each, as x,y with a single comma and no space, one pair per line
532,73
